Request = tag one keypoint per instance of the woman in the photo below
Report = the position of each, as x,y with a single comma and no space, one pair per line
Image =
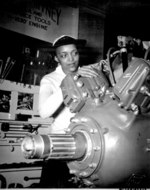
50,95
56,173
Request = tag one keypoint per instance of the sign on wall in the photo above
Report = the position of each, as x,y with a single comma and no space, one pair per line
42,23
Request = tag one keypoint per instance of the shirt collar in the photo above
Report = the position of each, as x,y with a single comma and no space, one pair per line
59,70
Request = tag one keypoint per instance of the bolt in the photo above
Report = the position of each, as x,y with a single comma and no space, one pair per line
134,108
93,131
112,96
79,84
97,87
83,119
107,91
88,182
75,120
96,148
83,174
76,77
120,104
147,149
75,100
84,94
72,171
92,165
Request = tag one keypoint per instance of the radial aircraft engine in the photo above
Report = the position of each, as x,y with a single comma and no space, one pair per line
107,143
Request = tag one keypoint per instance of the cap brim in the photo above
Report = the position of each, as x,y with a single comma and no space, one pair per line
78,42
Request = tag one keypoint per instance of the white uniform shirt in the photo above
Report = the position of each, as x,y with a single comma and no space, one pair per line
51,98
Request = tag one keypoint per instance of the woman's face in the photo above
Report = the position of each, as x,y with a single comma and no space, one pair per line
68,57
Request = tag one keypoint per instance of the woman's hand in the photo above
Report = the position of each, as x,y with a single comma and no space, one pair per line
87,71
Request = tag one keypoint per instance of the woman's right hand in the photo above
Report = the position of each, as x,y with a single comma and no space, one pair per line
87,71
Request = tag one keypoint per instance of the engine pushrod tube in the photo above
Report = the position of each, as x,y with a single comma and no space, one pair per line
62,147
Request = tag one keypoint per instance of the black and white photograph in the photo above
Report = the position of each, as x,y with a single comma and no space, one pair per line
25,101
5,97
75,94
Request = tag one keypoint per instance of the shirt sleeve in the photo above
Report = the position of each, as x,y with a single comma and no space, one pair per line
49,99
